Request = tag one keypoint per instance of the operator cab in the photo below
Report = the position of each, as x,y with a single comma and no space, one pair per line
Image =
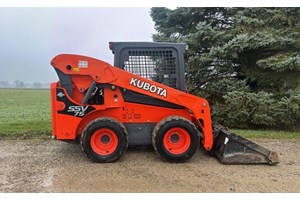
157,61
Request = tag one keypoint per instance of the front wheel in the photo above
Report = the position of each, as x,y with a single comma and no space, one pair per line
175,139
104,140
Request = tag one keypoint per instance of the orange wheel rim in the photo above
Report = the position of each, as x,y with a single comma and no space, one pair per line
177,140
104,141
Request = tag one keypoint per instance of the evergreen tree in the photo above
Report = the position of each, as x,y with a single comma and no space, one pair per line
238,56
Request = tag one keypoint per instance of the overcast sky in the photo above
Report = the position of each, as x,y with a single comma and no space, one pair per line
31,37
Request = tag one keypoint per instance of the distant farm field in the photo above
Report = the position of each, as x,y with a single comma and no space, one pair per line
26,113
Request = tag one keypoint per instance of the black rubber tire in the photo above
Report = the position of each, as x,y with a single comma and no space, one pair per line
109,123
162,128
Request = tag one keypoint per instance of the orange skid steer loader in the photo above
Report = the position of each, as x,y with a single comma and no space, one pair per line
141,100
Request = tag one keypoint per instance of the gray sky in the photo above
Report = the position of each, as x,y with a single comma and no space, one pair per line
31,37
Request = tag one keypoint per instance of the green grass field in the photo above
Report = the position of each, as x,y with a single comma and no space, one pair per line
26,113
268,134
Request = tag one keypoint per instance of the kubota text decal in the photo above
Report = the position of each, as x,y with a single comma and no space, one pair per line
148,87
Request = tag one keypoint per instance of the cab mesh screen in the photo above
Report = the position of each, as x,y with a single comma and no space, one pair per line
159,66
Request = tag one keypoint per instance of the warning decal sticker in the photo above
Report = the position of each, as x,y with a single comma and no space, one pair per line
83,64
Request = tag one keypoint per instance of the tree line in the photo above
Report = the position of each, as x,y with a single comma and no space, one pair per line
245,61
22,84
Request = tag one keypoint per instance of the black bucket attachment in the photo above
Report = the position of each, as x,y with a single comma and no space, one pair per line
230,148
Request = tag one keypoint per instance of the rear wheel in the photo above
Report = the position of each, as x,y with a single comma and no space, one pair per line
175,139
104,140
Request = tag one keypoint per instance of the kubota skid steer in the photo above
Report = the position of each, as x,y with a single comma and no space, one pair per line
141,100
